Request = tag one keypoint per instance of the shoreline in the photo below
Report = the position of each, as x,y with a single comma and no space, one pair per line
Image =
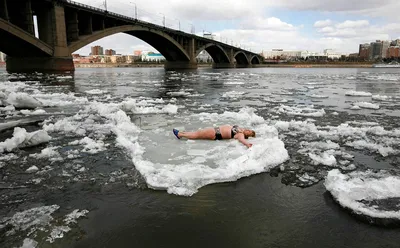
350,65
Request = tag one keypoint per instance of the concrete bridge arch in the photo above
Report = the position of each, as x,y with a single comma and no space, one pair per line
165,44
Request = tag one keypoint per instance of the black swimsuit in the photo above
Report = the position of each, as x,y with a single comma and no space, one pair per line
218,135
234,131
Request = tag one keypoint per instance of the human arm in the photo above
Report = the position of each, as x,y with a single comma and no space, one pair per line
240,137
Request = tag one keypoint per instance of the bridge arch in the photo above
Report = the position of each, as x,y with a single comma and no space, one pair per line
166,45
241,58
16,42
255,60
216,52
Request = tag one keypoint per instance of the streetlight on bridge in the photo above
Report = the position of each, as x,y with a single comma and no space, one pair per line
179,23
135,9
163,19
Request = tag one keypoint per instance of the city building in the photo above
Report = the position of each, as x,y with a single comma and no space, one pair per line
331,54
110,52
393,52
2,57
385,47
97,50
204,57
117,59
376,50
365,51
281,54
153,57
137,53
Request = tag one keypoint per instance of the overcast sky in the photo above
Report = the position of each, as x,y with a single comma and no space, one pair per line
260,25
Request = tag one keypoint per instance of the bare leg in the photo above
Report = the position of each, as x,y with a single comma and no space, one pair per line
208,134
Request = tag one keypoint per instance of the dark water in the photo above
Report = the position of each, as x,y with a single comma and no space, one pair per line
273,209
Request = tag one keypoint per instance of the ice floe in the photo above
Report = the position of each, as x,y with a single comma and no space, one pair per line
300,111
23,100
366,105
366,193
358,93
21,138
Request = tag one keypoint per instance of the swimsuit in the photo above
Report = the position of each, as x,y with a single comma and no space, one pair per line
218,135
234,131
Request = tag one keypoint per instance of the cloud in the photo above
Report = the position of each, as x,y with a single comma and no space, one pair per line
270,23
323,23
353,24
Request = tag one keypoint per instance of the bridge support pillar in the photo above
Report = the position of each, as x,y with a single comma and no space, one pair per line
49,64
176,65
72,26
223,65
4,10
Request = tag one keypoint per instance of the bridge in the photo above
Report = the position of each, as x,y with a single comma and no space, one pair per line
65,26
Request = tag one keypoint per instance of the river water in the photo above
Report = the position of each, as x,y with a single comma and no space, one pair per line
107,171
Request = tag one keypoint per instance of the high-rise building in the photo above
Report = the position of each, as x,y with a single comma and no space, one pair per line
97,50
376,49
2,57
110,52
364,51
385,47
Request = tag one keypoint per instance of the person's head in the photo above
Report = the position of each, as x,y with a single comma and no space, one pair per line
249,133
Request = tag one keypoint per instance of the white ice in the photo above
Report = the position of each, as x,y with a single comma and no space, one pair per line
233,94
30,219
29,243
366,105
357,93
21,138
350,189
95,92
225,161
23,100
300,111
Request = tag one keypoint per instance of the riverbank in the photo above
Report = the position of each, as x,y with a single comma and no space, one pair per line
286,65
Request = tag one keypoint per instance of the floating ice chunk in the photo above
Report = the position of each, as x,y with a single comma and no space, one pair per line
32,169
234,83
303,111
381,98
362,144
245,114
36,112
30,219
367,105
95,92
90,145
74,215
355,107
23,100
179,93
48,152
363,192
147,107
233,94
326,158
318,96
29,243
21,138
57,233
357,93
186,178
